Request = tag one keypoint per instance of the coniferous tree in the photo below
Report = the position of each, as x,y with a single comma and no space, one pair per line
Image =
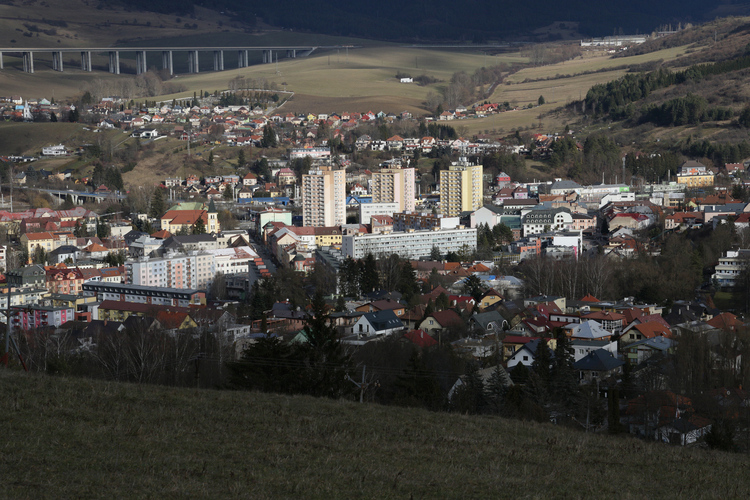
368,275
269,137
435,253
157,207
199,227
349,278
564,386
495,390
326,362
541,366
418,385
469,397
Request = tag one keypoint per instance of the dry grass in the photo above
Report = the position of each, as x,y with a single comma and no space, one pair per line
593,61
29,138
82,438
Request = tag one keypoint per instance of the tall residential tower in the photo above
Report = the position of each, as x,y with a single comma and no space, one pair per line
324,197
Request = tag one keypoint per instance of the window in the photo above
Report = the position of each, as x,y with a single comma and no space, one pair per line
525,358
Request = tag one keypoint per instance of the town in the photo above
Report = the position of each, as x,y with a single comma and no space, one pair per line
602,306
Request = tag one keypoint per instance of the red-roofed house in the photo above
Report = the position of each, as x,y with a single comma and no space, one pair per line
440,321
64,281
647,330
420,338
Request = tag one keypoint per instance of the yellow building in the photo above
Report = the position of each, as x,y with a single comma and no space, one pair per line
461,189
695,175
394,185
327,236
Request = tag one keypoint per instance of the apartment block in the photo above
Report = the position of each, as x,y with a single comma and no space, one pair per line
410,244
461,189
404,221
394,185
324,197
176,271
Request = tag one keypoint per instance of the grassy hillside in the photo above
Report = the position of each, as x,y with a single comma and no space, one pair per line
82,438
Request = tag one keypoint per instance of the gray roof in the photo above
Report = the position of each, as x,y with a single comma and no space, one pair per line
192,238
658,343
485,318
566,184
600,360
383,320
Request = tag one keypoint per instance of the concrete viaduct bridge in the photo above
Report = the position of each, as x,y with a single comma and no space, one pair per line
269,55
78,197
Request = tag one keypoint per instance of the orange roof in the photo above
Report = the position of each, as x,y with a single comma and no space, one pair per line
95,247
162,234
652,329
590,298
183,217
725,321
40,236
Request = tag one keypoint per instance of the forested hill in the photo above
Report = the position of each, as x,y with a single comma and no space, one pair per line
471,20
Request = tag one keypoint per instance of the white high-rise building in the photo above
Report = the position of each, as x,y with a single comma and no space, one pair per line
324,197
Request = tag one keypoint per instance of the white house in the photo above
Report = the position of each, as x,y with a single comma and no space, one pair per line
378,323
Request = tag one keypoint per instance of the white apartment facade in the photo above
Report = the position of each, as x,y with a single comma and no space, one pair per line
409,244
324,197
367,210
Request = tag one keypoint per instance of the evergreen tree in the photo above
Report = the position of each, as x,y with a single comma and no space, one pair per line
368,275
541,366
564,385
428,310
102,229
418,385
211,157
435,253
442,302
613,414
268,365
326,362
349,278
469,397
53,117
269,137
407,283
157,207
199,227
495,390
241,160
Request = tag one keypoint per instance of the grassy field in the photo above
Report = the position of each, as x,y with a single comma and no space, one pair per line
81,438
30,138
364,77
593,61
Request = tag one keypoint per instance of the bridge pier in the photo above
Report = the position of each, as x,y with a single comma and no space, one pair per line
57,61
218,60
28,62
242,59
166,61
1,60
193,63
291,53
114,62
85,60
140,62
